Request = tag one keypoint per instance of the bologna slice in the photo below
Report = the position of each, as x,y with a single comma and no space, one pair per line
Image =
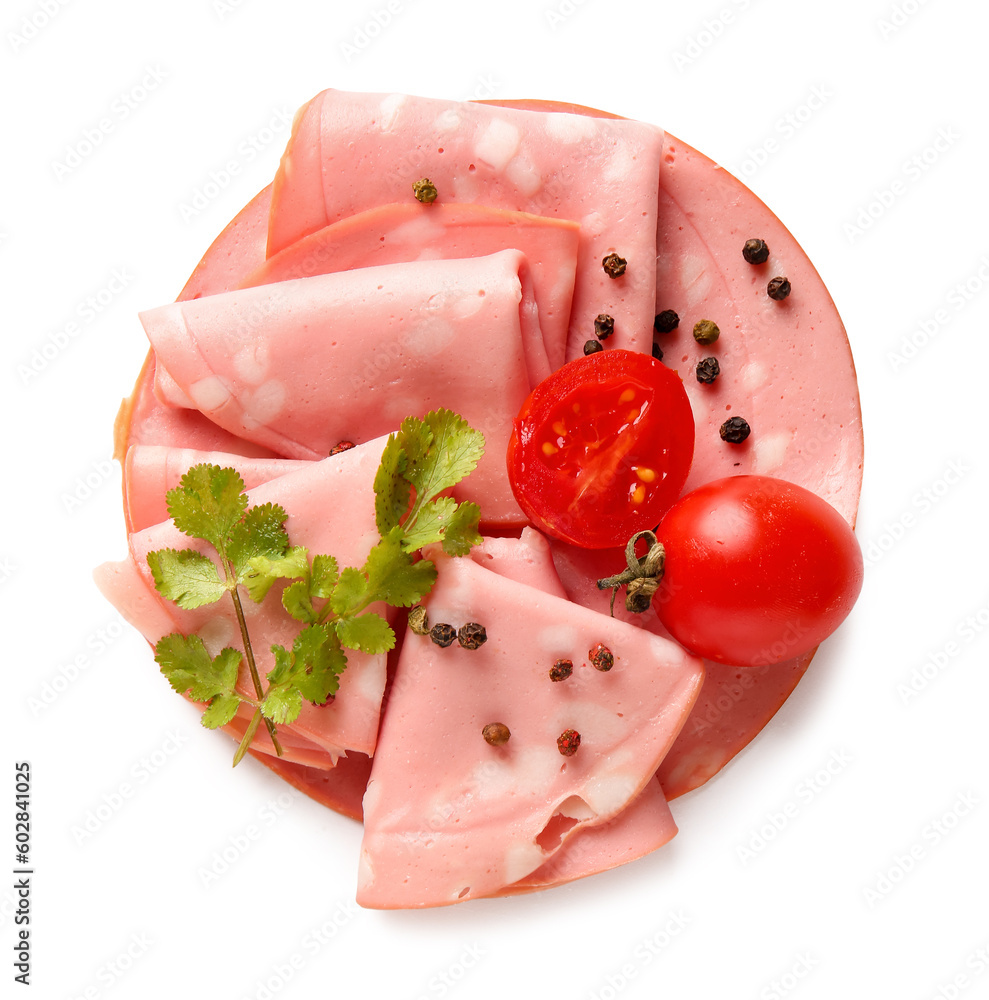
646,824
302,365
394,234
351,152
152,470
449,817
331,510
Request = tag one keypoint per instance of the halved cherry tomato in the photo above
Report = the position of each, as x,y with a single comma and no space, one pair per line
602,448
758,570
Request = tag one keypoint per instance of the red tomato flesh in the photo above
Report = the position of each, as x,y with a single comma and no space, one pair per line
758,570
602,448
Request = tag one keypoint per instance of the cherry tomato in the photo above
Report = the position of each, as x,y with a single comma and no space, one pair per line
602,448
758,570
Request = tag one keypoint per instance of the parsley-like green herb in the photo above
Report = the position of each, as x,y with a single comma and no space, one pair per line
252,553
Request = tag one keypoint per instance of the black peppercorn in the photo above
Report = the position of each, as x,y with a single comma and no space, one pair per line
614,266
778,288
666,321
735,430
443,635
755,251
707,370
593,346
472,635
657,352
604,326
706,331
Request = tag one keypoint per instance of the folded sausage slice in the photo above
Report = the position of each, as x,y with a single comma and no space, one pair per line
351,152
331,510
409,231
448,816
301,365
150,471
646,824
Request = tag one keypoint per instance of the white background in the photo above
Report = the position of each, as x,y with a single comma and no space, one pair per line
876,886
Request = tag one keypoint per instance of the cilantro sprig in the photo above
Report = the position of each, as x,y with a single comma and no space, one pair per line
252,553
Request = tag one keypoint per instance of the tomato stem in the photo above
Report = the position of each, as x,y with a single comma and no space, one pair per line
642,577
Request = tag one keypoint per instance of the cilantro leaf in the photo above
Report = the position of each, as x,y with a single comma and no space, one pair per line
461,530
430,525
207,503
391,489
349,592
283,701
297,602
186,577
442,457
187,665
369,633
318,649
261,532
311,671
393,576
324,576
221,710
265,570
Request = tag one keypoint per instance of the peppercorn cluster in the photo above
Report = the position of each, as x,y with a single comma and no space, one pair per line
471,635
755,251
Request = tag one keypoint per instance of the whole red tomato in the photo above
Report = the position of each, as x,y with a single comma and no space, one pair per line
601,448
758,570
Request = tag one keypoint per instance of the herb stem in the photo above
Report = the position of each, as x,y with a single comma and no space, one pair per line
252,666
252,728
